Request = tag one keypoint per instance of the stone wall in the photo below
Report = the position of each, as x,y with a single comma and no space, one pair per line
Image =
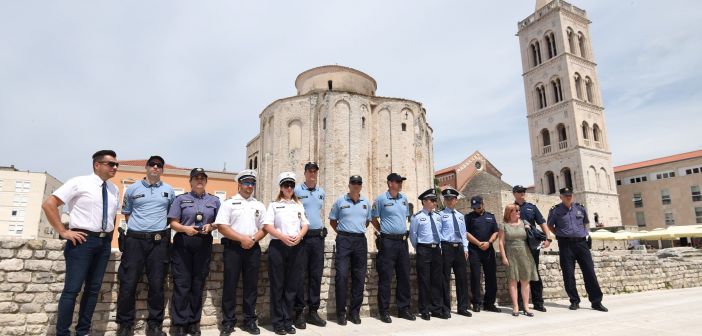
32,273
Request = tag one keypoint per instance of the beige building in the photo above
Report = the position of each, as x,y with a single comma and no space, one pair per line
21,196
337,121
661,192
565,113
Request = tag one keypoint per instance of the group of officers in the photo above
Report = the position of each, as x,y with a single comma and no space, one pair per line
445,241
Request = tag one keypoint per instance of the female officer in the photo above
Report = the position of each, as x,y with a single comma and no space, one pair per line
285,221
191,216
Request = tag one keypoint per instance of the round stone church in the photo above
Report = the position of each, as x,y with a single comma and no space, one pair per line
337,120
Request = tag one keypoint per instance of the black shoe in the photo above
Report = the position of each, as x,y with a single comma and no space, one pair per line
354,318
251,328
540,308
290,330
425,316
125,330
227,329
526,313
194,329
492,308
280,332
476,308
299,320
154,329
515,314
600,307
574,306
178,331
465,313
443,316
405,314
314,319
385,317
341,320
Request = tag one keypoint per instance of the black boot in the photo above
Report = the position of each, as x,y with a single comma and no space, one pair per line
194,329
299,320
125,330
314,319
154,329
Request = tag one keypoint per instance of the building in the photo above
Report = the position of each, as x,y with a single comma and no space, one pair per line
565,113
220,184
21,195
337,121
661,192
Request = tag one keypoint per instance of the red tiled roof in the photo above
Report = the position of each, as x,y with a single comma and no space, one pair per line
653,162
142,163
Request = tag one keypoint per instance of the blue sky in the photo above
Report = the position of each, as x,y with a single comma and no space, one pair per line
187,79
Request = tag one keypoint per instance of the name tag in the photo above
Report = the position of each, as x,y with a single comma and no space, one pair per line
388,204
236,203
137,196
301,197
280,207
422,219
346,206
186,201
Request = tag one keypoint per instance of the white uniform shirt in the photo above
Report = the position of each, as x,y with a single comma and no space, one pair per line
83,198
287,217
245,216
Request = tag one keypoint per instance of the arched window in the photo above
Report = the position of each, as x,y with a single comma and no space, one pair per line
581,45
535,53
324,123
250,163
557,91
541,96
578,86
567,178
596,133
571,40
551,44
404,127
586,130
588,89
546,141
255,166
363,122
550,182
562,136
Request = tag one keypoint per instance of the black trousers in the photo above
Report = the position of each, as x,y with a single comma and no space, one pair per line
139,255
240,261
570,252
190,265
393,257
284,279
535,287
485,260
430,279
454,259
310,264
350,251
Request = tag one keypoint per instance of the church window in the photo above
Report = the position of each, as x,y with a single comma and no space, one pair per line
596,133
571,40
567,178
255,166
586,130
551,43
329,84
363,122
535,53
581,44
578,86
546,141
557,90
550,180
324,123
541,96
250,163
404,127
588,89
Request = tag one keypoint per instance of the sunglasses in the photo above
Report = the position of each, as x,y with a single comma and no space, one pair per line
248,184
112,164
287,185
157,164
517,210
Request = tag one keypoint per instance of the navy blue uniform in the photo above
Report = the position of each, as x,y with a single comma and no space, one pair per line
530,213
191,256
571,228
482,227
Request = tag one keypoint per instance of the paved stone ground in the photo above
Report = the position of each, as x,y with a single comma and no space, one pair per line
665,312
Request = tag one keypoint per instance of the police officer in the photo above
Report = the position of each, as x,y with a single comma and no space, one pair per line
454,250
145,244
426,240
311,258
390,213
240,221
530,213
570,223
191,216
349,217
287,224
482,232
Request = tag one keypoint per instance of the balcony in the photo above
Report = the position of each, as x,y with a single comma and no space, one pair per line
586,142
546,149
563,144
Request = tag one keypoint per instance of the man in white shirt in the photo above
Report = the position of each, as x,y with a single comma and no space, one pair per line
92,202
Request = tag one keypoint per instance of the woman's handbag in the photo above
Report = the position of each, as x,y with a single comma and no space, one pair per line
534,236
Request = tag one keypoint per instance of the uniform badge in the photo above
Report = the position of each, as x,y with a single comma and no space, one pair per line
198,217
165,194
256,213
299,215
365,206
321,197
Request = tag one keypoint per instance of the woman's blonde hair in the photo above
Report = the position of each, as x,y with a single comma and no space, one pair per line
508,210
280,196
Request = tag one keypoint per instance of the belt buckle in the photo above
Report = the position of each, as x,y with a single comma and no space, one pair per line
102,234
455,244
433,245
157,237
403,237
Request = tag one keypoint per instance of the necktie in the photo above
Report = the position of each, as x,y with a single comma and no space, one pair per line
434,232
456,229
104,206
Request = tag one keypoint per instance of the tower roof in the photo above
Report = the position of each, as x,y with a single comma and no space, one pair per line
335,78
541,3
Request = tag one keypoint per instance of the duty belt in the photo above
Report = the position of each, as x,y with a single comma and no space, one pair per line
102,234
351,234
451,244
572,239
157,236
393,236
428,245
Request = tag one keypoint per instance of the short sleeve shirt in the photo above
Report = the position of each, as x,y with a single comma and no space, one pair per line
186,207
351,216
245,216
482,227
312,201
287,217
569,223
83,198
147,205
448,231
420,228
530,213
393,213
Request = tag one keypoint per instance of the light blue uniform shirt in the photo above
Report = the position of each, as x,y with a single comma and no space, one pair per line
448,232
420,228
393,213
312,201
147,205
349,216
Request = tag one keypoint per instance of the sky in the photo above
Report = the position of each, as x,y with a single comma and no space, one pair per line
187,80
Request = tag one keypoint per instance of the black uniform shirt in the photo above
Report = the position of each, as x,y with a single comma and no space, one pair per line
482,227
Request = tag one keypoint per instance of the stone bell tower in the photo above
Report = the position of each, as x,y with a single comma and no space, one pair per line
567,129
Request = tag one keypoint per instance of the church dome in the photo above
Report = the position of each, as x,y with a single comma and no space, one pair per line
335,78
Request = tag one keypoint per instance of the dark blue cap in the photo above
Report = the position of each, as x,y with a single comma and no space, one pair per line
476,202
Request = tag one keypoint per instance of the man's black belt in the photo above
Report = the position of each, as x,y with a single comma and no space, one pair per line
312,233
571,239
393,236
95,234
227,241
427,245
450,244
158,235
351,234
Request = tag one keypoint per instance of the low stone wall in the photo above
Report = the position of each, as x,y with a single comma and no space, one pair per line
32,273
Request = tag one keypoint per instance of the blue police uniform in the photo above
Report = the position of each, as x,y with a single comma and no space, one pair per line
482,227
191,256
145,245
426,240
351,249
311,258
571,228
530,213
454,246
393,252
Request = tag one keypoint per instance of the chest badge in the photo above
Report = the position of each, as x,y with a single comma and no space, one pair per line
256,213
299,215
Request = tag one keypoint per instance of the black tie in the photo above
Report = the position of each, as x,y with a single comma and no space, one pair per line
434,232
104,206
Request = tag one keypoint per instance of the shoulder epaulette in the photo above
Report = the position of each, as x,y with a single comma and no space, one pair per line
417,213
